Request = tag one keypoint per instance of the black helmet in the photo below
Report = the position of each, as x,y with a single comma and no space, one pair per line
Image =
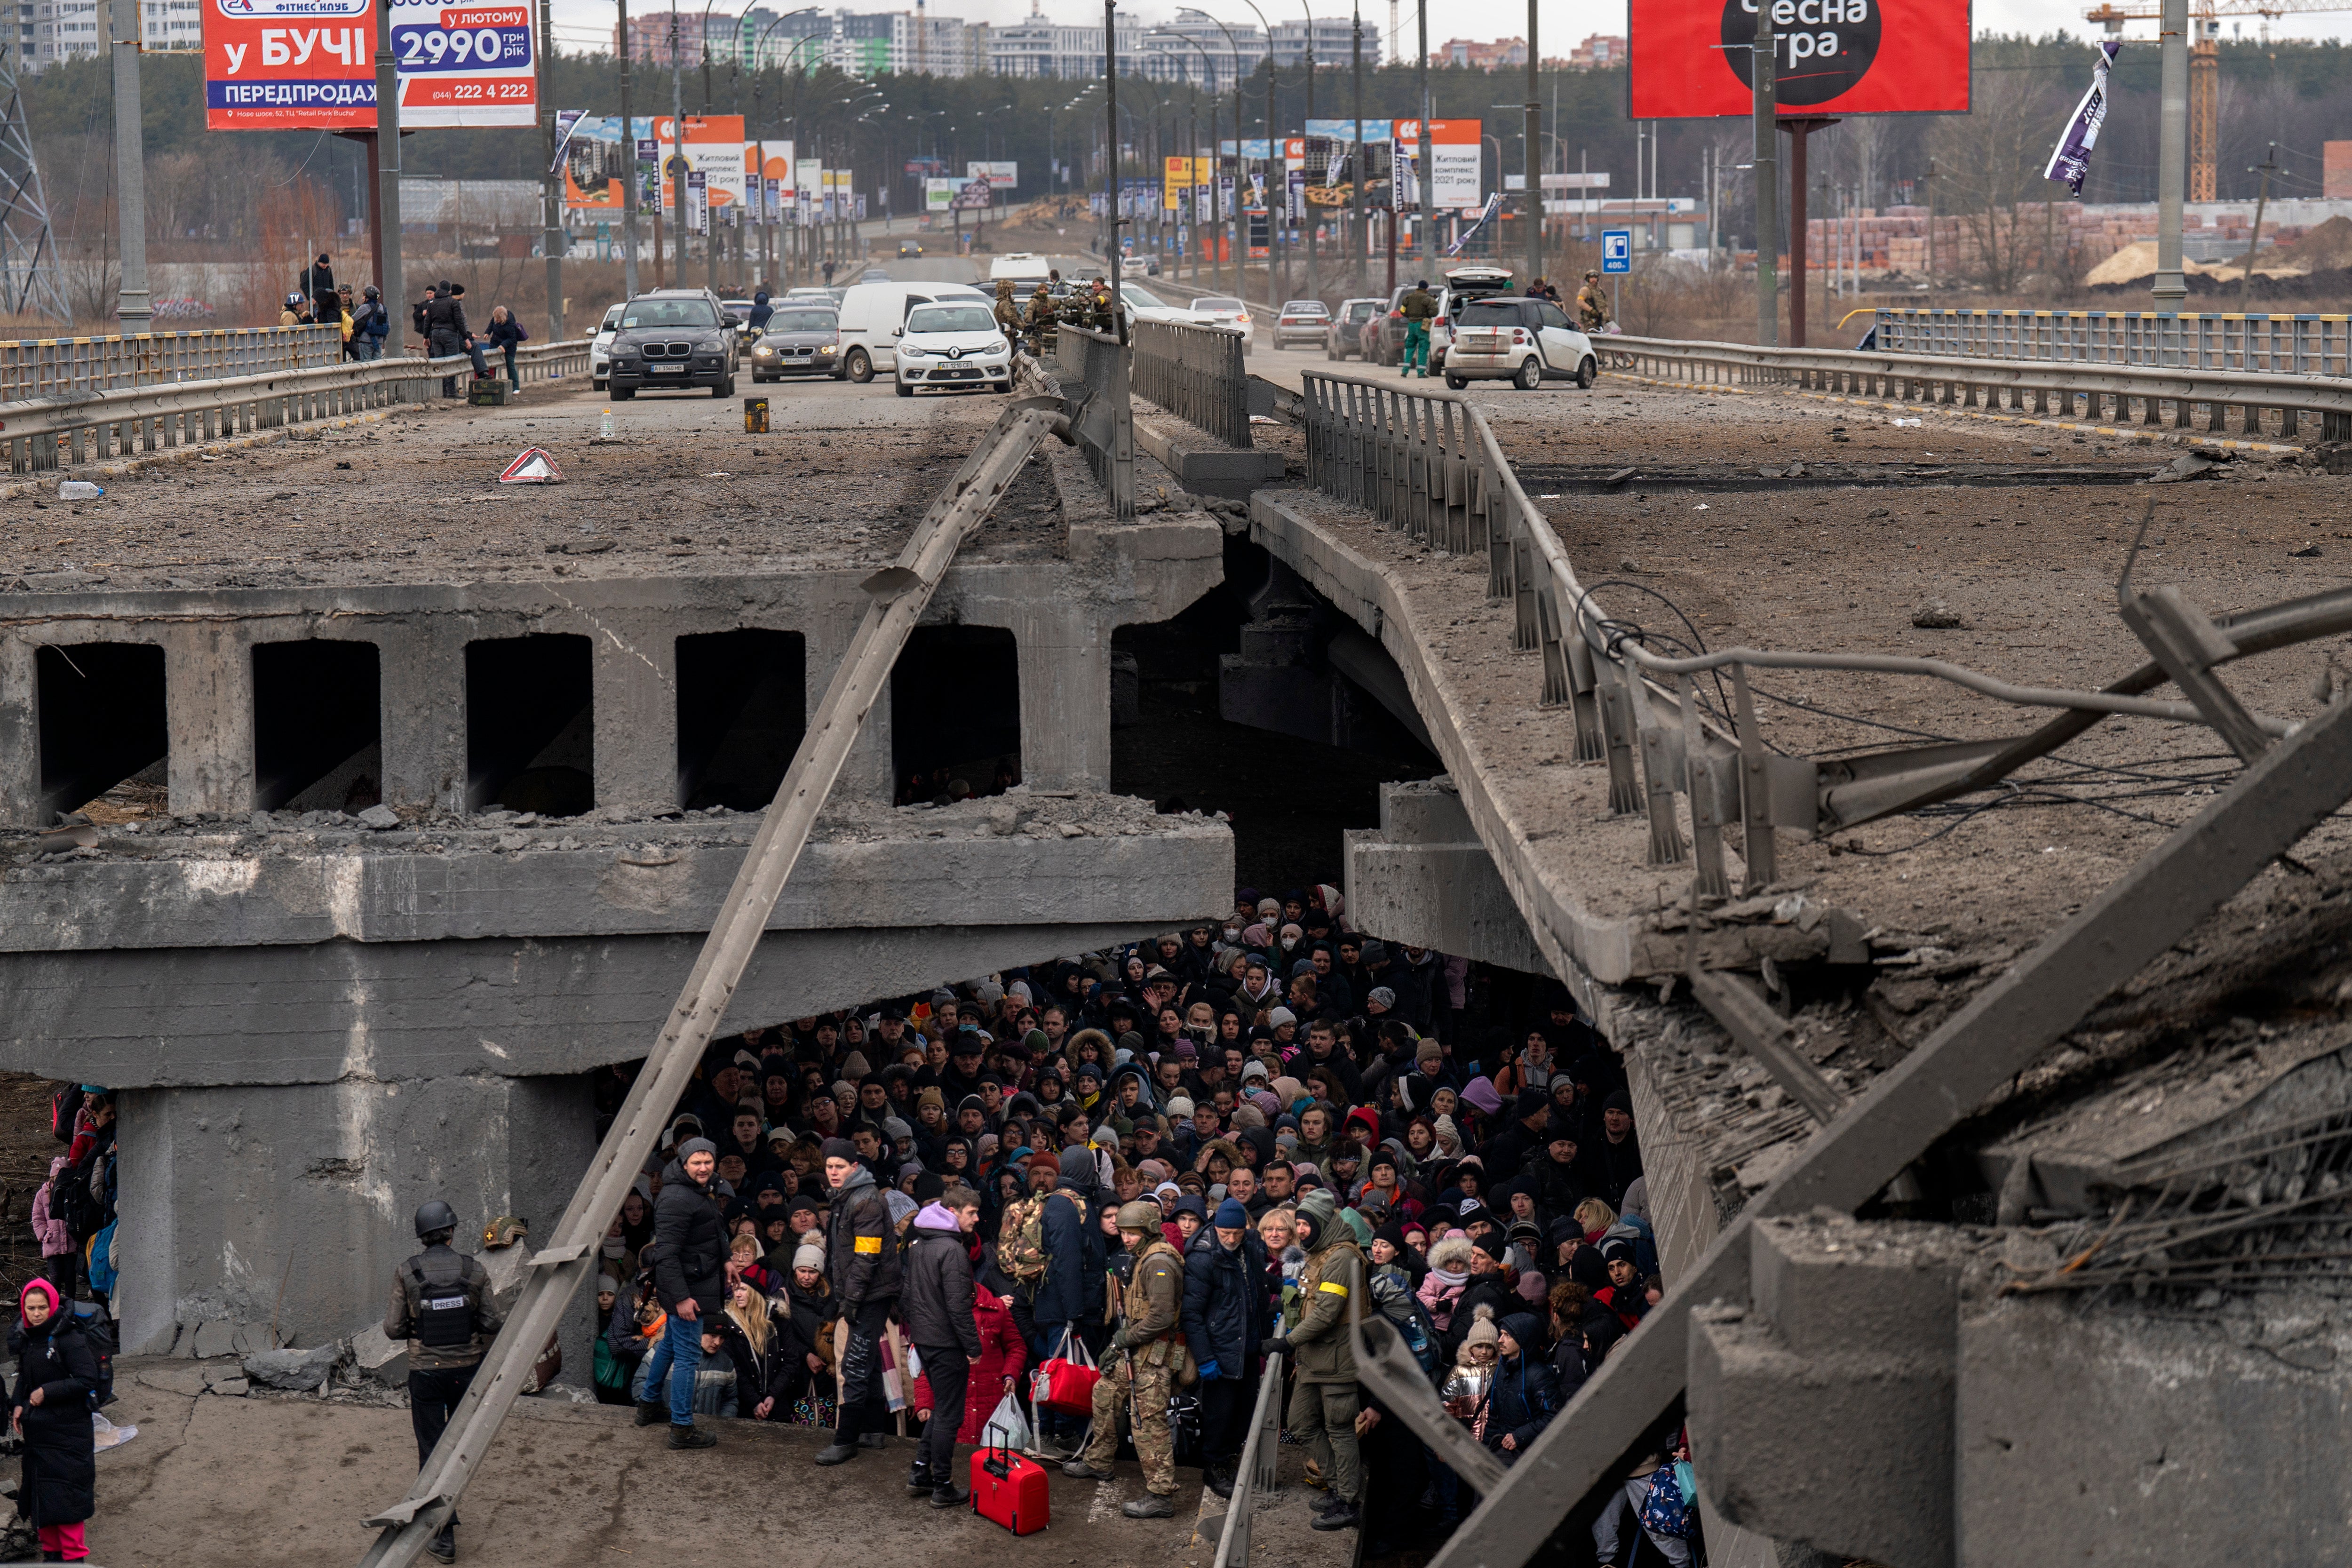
436,1216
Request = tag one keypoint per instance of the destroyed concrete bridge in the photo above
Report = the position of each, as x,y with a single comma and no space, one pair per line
1906,1065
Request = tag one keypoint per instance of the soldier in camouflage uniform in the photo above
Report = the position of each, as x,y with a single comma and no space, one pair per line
1150,1336
1325,1400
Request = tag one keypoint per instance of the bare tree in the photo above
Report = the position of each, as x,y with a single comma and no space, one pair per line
1988,161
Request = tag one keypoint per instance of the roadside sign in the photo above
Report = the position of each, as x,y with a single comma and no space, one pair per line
1616,250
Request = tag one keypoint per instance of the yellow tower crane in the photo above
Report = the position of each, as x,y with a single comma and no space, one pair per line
2205,66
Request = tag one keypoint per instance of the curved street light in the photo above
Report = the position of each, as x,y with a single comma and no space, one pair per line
1216,220
1240,231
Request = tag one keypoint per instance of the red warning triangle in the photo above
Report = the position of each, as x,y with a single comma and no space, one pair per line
533,467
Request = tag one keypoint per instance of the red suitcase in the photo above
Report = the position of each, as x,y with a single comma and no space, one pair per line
1009,1489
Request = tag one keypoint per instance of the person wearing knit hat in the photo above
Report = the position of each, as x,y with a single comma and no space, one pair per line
1525,1393
809,1255
1226,1299
1257,1070
854,1067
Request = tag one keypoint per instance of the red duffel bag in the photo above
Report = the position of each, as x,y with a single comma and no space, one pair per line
1066,1380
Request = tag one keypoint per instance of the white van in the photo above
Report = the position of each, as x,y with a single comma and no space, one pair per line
873,314
1021,265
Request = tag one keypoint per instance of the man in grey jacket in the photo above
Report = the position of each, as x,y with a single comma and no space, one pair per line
938,1306
861,1258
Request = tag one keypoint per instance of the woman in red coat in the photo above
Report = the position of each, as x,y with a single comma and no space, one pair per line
995,1372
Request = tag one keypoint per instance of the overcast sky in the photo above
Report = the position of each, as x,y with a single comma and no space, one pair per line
579,23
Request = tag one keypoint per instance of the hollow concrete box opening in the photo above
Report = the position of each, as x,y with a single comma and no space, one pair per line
102,720
530,730
955,710
317,726
740,715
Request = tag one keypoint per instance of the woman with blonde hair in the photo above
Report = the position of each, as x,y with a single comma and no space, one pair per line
755,1334
1595,1216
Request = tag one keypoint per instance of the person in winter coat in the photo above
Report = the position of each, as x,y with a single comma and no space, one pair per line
994,1373
49,1408
1522,1397
937,1304
690,1281
446,333
56,1243
507,334
862,1265
757,1338
1325,1399
1449,1274
1224,1301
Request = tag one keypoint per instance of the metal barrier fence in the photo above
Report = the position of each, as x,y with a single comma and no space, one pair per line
1261,1467
62,432
67,368
2267,402
2289,345
1093,370
1197,374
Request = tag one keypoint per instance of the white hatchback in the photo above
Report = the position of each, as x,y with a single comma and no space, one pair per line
1524,341
953,344
600,347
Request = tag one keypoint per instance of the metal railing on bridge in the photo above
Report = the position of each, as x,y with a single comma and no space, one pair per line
1259,1475
1197,374
70,429
67,367
2096,390
2290,345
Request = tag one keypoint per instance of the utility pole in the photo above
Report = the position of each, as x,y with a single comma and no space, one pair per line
2172,157
1764,69
1110,124
1534,158
2266,168
1277,155
1363,234
678,145
554,241
387,178
1428,176
629,164
132,303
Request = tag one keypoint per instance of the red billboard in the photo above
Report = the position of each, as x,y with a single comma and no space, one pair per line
1836,58
281,65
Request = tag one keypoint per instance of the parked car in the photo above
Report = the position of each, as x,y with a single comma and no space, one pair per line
953,345
1142,305
1301,320
801,338
674,338
740,311
872,314
1525,342
600,347
1343,337
1477,282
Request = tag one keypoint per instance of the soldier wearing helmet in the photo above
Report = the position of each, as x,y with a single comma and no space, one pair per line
441,1305
1151,1333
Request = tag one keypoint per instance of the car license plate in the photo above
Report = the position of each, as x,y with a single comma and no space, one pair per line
667,369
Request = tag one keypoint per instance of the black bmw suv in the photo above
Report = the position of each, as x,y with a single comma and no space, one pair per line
674,337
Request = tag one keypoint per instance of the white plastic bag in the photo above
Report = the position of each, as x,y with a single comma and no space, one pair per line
1008,1427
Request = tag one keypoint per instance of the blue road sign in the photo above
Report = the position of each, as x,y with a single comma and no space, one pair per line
1616,250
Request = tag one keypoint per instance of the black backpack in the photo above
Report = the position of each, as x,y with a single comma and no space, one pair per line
84,1195
100,1333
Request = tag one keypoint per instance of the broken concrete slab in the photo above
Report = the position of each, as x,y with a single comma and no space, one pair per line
379,1356
300,1370
174,1379
232,1387
212,1338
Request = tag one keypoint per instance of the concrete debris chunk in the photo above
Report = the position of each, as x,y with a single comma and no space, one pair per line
235,1387
298,1370
2188,465
1936,616
380,1358
212,1337
380,817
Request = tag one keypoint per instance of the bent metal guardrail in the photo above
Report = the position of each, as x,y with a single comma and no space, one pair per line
2064,388
1197,374
1091,370
1259,1474
46,433
2294,344
1429,463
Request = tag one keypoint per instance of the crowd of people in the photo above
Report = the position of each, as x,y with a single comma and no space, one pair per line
1167,1164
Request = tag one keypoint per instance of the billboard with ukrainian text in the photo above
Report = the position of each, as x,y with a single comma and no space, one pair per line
289,64
1689,58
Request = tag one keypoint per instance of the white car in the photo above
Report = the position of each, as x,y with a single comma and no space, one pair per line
1301,320
953,343
1225,311
1142,305
600,347
1524,341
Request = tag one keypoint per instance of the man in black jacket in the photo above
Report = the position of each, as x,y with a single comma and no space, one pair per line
690,1261
861,1260
446,333
938,1305
1224,1305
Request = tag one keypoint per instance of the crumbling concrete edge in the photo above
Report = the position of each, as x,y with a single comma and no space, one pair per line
172,456
1588,952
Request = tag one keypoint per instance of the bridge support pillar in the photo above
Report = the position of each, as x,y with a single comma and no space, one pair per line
1423,877
208,674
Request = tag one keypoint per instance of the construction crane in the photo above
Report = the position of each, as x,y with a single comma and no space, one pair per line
2205,66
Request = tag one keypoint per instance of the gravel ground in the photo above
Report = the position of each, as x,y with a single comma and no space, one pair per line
838,481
